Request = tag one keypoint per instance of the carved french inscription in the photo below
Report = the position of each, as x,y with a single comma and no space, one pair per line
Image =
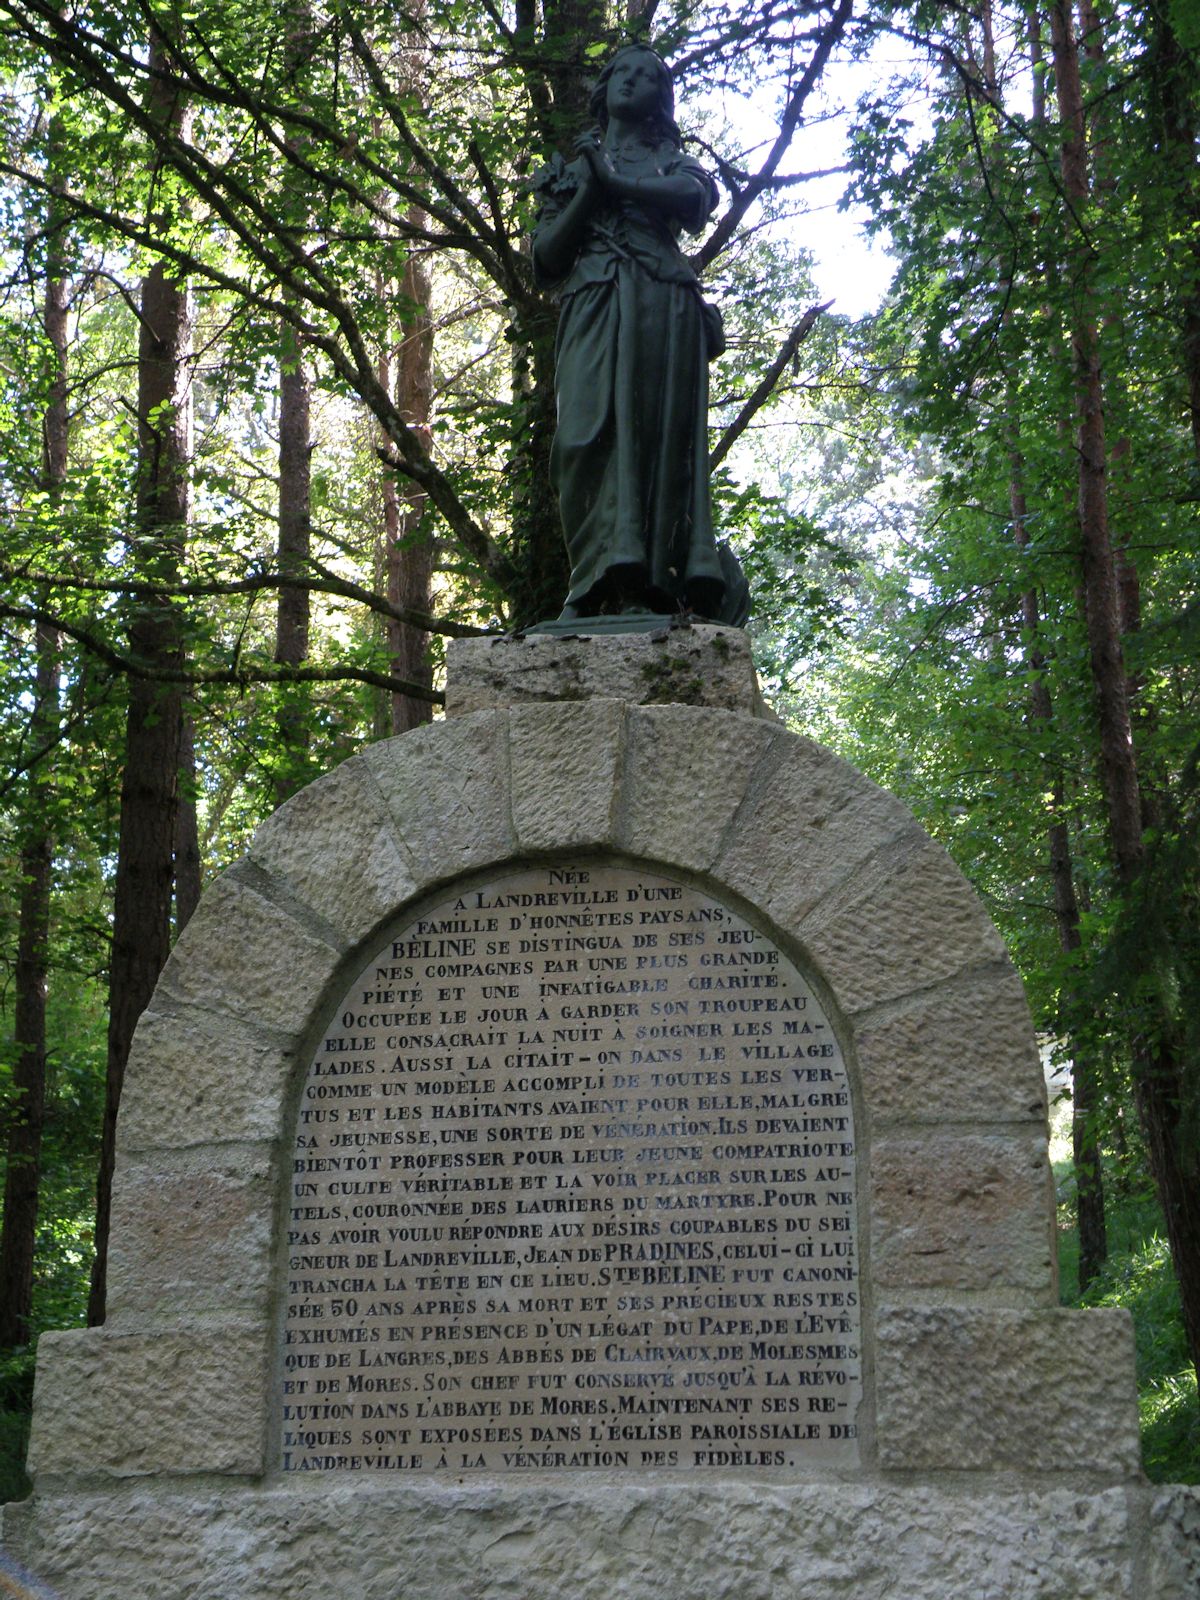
573,1186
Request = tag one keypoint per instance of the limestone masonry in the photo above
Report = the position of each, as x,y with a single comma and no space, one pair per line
592,1146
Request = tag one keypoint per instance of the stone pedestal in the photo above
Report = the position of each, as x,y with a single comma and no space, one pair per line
825,982
696,665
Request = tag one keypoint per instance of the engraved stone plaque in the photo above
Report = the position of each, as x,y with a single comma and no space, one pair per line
573,1186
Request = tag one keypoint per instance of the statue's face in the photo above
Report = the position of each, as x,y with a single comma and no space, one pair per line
633,91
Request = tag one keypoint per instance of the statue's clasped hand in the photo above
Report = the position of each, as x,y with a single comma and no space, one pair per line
589,147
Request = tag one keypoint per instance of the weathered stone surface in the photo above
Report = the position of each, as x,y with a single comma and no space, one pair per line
566,766
108,1404
994,1390
962,1212
679,800
864,936
193,1239
242,956
333,846
446,786
962,1052
195,1078
809,821
700,665
1175,1543
559,1541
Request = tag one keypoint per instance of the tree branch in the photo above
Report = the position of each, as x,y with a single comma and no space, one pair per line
240,677
324,583
745,198
763,393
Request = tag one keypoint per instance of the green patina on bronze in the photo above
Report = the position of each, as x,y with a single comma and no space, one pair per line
630,456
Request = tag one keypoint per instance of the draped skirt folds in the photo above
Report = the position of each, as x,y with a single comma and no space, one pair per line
630,457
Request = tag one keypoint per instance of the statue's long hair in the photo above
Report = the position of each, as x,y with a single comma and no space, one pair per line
662,124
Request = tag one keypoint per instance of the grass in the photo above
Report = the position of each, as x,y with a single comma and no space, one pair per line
1138,1276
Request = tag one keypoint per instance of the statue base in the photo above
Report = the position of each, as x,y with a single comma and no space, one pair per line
664,661
624,622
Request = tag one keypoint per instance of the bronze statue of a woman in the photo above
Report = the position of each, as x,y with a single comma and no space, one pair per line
630,456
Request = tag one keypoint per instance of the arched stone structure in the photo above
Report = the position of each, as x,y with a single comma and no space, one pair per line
999,1448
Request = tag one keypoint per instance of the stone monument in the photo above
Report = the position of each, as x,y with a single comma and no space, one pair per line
592,1145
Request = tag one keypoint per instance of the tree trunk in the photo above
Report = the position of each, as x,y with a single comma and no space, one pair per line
408,546
1085,1097
141,933
187,834
295,545
23,1174
540,550
1175,74
294,549
18,1231
570,29
1117,763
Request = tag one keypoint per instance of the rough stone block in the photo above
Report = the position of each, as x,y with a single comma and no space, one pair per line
242,955
108,1404
961,1052
566,767
195,1078
701,665
560,1541
809,821
194,1239
974,1390
680,797
446,786
333,846
1175,1542
906,920
962,1212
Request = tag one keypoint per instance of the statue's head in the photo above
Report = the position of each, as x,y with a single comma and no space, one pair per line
663,118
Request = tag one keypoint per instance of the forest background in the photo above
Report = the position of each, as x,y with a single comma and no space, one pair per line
275,411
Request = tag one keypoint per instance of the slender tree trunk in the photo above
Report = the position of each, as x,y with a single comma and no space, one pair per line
1085,1096
1118,766
293,608
141,933
23,1173
541,557
1085,1127
1037,59
18,1232
1176,77
295,546
408,545
1157,1067
187,834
